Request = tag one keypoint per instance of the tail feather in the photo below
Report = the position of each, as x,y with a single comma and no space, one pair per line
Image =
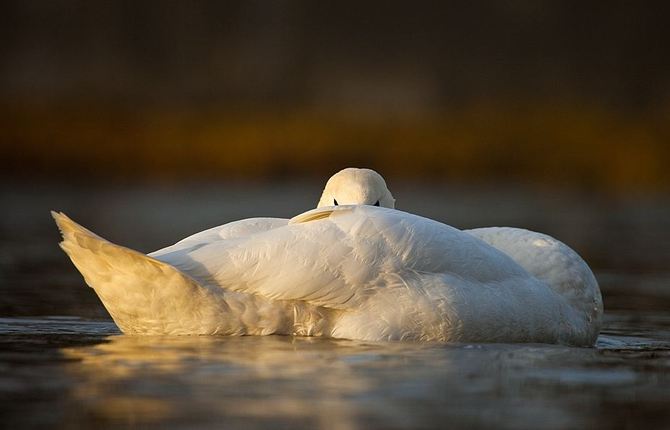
142,294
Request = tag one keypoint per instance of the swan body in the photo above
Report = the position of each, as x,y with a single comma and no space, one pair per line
351,271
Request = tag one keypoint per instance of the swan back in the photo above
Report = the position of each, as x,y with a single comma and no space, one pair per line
389,275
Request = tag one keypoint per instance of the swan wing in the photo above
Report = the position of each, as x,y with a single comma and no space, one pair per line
337,257
231,230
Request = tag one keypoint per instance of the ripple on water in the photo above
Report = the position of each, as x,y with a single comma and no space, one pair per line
88,374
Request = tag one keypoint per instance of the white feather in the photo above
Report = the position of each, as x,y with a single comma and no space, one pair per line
356,272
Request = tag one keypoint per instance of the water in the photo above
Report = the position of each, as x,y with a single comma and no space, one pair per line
75,370
82,374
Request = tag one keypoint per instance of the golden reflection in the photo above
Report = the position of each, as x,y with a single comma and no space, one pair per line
152,379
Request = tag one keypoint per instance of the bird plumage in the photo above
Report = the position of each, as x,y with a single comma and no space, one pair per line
357,272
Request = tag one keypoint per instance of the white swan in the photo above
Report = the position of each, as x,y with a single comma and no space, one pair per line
350,270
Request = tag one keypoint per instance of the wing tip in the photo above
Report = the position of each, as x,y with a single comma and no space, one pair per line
63,222
69,229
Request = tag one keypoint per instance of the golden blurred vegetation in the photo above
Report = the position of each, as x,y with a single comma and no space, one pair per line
550,92
566,144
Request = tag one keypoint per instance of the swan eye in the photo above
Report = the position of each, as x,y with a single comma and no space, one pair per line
377,204
335,201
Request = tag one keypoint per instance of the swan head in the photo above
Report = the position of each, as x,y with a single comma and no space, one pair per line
354,186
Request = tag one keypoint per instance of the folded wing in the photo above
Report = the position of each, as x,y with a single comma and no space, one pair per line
337,257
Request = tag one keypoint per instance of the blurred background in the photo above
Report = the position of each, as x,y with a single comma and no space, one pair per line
557,92
150,120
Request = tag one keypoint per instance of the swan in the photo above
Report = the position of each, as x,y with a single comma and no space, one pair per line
353,268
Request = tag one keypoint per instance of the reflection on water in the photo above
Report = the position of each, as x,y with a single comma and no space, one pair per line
80,374
308,381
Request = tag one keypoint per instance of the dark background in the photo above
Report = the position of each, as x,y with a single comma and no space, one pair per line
147,121
559,93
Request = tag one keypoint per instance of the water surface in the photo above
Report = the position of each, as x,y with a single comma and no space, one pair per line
77,373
